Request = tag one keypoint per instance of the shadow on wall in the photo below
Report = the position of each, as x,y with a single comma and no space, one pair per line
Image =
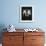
2,26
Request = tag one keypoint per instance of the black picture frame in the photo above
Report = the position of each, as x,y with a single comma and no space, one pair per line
26,13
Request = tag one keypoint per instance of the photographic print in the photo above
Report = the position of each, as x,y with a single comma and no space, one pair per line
26,13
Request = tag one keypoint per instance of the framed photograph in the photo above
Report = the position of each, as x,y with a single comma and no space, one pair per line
26,13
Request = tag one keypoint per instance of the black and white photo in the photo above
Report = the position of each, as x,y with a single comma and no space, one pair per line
26,13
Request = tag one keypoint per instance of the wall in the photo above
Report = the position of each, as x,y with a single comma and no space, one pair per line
9,13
